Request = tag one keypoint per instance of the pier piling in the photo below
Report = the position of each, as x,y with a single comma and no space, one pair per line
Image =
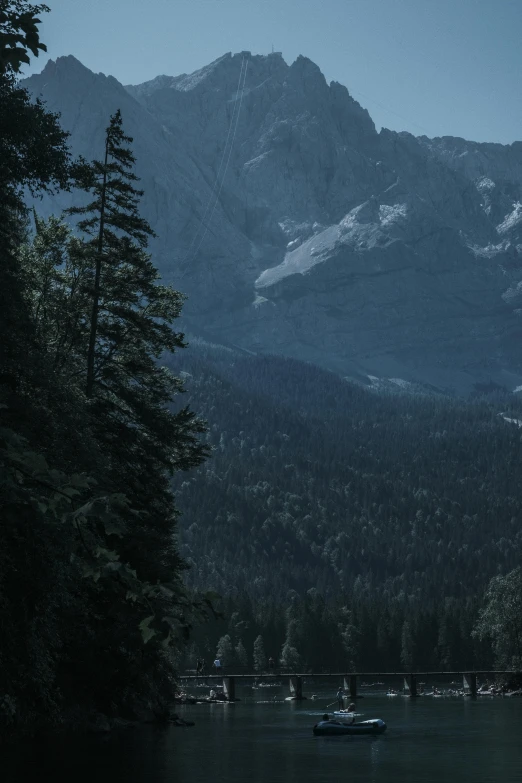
410,685
469,682
296,687
229,688
350,684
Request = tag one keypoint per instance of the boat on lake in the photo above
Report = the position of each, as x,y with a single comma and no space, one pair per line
338,728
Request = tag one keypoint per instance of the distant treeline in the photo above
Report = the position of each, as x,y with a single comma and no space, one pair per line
394,510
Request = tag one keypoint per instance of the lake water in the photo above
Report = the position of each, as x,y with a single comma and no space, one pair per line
427,741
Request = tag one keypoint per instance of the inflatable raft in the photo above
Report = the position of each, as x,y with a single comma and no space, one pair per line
334,728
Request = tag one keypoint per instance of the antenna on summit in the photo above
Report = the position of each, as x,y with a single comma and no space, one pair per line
272,48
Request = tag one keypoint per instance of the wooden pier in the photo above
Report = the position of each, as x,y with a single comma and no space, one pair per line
349,680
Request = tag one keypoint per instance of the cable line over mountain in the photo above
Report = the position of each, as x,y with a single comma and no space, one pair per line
219,185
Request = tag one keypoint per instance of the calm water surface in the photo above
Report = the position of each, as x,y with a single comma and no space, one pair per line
427,741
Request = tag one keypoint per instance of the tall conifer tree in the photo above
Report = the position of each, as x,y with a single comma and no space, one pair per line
130,327
118,238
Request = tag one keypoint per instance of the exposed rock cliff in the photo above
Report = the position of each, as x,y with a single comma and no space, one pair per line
296,228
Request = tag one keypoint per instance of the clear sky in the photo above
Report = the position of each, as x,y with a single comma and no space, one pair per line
439,67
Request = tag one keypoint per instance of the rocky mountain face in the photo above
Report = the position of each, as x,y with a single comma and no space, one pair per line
295,228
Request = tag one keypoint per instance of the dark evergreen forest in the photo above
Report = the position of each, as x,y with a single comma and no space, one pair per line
93,609
328,506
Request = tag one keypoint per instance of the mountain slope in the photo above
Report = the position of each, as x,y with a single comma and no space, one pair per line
296,228
318,483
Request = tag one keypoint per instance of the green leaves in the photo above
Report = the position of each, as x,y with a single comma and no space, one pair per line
147,633
69,500
19,33
501,619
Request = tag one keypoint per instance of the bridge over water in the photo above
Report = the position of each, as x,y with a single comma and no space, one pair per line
350,680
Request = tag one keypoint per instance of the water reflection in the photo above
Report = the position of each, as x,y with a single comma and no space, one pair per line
428,741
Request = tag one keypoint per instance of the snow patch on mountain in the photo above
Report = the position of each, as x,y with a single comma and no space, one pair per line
513,293
360,229
389,214
511,220
518,422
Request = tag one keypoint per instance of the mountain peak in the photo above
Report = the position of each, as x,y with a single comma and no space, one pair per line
67,63
67,72
305,65
221,74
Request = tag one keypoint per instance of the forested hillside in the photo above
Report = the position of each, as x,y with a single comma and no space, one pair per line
389,505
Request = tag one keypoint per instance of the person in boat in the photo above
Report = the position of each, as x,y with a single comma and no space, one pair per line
325,717
340,698
351,708
271,664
